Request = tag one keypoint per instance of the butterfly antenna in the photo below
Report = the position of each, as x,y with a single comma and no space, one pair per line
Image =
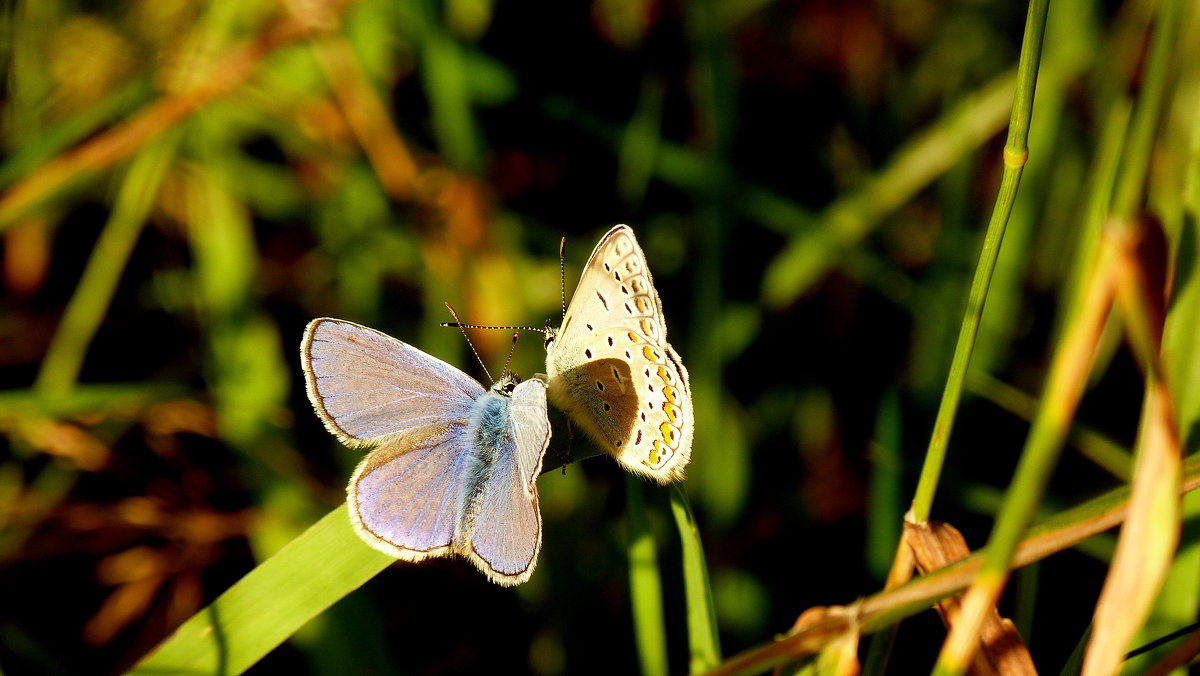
463,327
511,350
459,325
562,276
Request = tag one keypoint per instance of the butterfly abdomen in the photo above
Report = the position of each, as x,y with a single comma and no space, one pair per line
488,429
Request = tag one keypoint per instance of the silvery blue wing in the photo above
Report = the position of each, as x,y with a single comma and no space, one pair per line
455,466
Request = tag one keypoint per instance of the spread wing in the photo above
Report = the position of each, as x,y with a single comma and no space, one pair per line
369,388
506,530
406,497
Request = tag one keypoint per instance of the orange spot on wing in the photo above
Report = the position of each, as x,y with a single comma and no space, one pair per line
668,433
659,455
670,411
669,393
633,338
665,375
649,353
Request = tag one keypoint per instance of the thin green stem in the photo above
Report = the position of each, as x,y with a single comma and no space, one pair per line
1016,151
1068,374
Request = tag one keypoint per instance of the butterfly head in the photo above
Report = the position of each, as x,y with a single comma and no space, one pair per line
505,386
551,334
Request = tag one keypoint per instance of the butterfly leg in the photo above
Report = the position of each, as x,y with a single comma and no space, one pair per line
570,437
564,457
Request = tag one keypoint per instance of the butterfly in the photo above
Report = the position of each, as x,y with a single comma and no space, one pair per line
454,466
611,369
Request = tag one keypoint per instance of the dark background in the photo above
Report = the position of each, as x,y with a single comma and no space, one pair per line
182,451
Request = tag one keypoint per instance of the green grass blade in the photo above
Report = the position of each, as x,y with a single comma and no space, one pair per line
811,252
645,584
704,646
59,136
264,608
885,503
1179,601
90,302
639,143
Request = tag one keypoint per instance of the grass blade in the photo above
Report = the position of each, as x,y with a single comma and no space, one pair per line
704,647
264,608
645,585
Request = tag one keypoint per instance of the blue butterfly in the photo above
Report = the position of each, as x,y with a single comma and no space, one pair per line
454,466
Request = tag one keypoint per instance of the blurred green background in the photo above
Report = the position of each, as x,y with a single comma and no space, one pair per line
186,185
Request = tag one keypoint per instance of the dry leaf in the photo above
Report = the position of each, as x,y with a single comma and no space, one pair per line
1001,651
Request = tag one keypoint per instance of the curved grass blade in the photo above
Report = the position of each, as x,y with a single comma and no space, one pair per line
645,585
703,645
264,608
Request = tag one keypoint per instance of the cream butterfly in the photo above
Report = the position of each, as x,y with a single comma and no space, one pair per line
611,369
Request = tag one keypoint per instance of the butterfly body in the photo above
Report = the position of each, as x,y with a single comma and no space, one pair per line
610,368
454,467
